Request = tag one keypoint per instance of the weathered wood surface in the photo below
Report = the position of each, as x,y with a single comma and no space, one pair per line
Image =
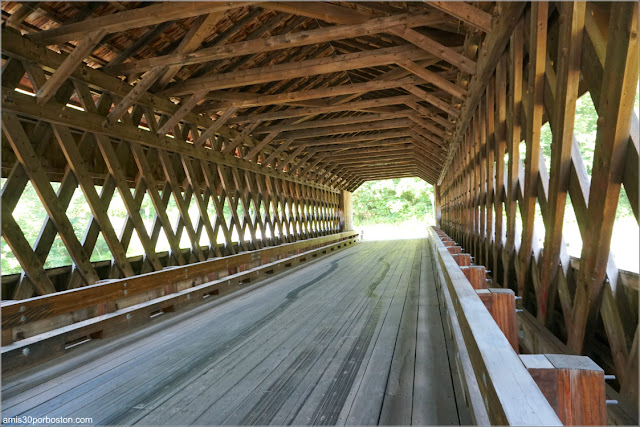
325,344
557,54
509,394
16,313
275,108
573,385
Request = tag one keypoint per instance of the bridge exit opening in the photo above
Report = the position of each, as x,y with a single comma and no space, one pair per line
401,208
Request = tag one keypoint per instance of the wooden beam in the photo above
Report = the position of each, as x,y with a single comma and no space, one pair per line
287,97
261,145
115,168
619,82
182,205
302,161
465,12
79,168
199,30
566,94
500,137
26,9
431,99
289,158
429,45
433,78
334,130
354,152
21,249
135,18
285,71
148,79
430,127
357,138
535,89
363,118
327,12
514,136
231,146
342,15
217,124
138,43
274,155
32,164
425,112
284,41
71,62
27,106
313,111
185,108
376,143
490,53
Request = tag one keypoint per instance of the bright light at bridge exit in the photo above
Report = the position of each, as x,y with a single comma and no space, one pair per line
400,208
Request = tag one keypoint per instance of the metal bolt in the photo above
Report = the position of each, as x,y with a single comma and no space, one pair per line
519,310
611,402
609,377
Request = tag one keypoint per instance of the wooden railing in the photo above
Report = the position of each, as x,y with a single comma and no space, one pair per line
499,386
535,338
43,327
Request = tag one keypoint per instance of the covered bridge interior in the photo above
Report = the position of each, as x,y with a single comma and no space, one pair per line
231,135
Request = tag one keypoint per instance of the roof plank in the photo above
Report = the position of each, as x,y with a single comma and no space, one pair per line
134,18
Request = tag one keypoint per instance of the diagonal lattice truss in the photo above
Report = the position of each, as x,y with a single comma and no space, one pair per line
250,119
336,92
491,190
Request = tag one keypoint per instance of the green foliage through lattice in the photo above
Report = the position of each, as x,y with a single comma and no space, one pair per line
392,201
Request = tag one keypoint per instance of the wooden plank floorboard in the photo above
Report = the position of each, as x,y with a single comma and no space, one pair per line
353,337
433,396
366,401
211,415
168,343
278,388
236,309
398,397
219,386
326,399
175,376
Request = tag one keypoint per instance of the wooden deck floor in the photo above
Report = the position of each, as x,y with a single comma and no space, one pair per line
353,338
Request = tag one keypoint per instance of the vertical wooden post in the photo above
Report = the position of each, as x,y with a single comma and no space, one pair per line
489,159
476,275
482,190
501,303
437,208
516,47
573,385
500,147
568,76
346,211
537,61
